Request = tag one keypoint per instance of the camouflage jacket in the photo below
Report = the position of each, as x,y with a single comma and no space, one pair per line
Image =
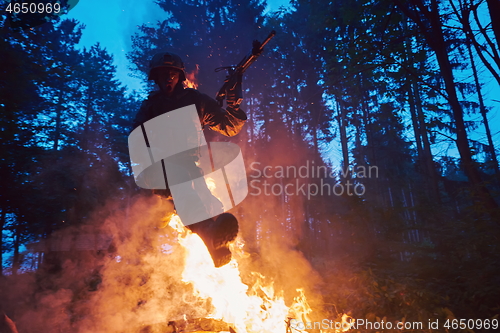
228,122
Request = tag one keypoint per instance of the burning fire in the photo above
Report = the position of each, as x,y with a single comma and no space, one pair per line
211,184
191,81
256,308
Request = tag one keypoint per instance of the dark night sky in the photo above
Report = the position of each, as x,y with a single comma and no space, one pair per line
112,23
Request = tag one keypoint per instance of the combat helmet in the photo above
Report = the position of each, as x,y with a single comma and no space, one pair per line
166,59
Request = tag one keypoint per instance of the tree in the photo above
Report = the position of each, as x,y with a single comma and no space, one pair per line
427,18
65,121
19,102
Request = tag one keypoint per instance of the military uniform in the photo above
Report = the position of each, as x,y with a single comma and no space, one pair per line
218,233
227,122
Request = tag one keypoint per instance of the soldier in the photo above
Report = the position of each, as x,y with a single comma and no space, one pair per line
167,70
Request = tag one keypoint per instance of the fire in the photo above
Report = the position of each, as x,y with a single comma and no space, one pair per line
191,81
259,307
210,184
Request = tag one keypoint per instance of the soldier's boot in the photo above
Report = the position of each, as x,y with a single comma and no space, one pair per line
217,235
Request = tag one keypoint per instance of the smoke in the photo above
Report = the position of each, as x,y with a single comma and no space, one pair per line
141,284
136,284
273,225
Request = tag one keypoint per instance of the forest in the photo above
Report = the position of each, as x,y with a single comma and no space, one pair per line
379,115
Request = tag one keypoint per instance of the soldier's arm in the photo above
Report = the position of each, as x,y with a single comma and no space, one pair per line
228,122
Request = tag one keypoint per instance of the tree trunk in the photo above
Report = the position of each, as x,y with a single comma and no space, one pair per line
426,145
437,41
57,130
482,108
86,125
429,22
416,128
417,131
2,225
16,264
494,9
343,136
471,36
371,151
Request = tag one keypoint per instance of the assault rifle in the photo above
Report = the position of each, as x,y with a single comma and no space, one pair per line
235,73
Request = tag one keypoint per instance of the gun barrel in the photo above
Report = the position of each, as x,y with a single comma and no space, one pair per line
242,66
271,35
254,54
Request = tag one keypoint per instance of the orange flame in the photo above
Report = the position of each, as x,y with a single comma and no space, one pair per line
191,81
210,184
248,308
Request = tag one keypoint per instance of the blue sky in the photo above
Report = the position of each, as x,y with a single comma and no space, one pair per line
112,23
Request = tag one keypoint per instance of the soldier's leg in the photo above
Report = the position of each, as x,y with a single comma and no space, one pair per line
217,234
197,200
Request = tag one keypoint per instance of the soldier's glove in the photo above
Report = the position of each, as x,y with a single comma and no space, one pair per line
234,95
